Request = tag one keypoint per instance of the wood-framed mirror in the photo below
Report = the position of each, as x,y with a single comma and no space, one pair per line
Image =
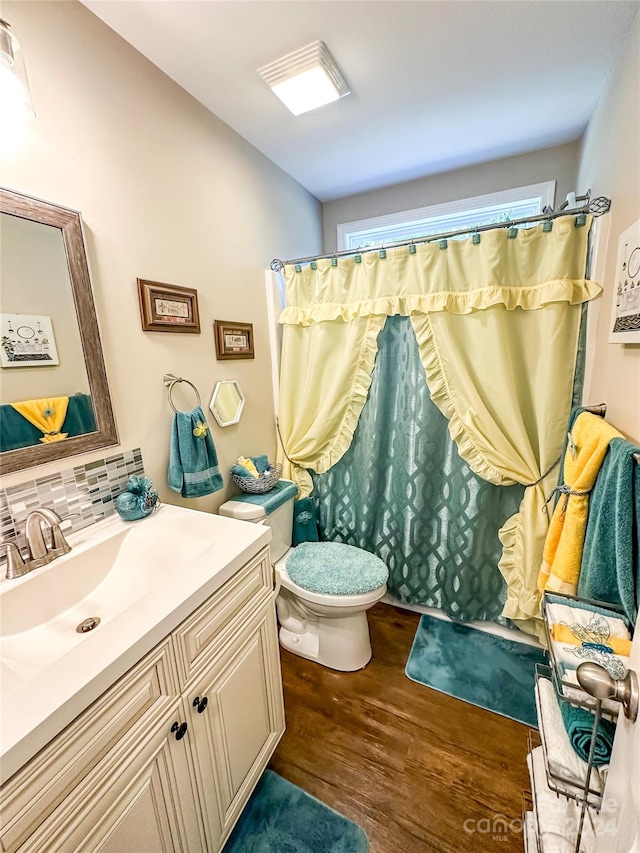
54,395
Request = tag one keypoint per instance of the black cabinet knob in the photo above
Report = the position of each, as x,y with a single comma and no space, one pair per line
180,730
200,704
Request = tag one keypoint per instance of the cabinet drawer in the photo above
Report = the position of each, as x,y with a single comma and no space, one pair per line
32,794
199,637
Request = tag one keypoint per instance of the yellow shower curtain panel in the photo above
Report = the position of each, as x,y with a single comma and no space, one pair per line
497,324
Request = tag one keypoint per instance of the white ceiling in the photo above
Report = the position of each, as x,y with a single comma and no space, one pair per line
436,84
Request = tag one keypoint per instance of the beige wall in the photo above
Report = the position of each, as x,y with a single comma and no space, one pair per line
170,193
610,165
34,279
549,164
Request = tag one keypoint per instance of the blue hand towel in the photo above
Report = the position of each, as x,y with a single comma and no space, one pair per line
611,555
193,462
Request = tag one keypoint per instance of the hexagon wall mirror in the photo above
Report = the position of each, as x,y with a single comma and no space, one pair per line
227,403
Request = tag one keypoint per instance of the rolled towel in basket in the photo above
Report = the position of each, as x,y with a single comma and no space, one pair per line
261,463
579,725
247,463
241,471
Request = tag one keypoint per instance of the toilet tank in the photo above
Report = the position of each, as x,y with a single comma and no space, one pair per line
275,509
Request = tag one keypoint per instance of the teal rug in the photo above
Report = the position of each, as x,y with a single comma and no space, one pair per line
281,818
477,667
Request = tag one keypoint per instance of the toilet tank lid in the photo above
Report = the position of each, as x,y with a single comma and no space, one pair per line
254,507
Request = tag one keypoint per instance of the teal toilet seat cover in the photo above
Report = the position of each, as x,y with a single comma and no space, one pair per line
335,569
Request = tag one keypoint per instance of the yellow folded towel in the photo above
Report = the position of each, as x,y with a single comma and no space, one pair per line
47,415
564,634
562,555
247,463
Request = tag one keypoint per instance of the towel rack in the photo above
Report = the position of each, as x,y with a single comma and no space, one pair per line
170,380
601,410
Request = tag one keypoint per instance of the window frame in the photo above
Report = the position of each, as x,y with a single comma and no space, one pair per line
360,230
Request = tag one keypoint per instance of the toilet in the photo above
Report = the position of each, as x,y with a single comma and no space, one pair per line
325,619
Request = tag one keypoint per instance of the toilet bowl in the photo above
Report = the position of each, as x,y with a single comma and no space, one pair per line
325,620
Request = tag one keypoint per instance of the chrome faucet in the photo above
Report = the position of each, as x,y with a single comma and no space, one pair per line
40,553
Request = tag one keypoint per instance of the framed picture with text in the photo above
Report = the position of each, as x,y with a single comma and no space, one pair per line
233,340
168,308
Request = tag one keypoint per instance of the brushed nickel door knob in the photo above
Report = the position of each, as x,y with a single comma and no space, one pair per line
598,683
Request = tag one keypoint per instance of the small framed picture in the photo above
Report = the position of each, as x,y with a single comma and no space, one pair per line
27,341
168,308
233,340
625,308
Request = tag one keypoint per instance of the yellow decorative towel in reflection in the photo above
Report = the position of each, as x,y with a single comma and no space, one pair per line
47,415
564,634
560,570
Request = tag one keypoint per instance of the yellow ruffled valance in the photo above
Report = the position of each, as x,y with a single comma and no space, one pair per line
534,269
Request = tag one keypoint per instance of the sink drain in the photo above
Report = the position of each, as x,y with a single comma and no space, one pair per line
88,624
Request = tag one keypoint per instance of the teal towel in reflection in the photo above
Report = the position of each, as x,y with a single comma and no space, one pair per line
193,462
610,568
305,522
579,725
17,432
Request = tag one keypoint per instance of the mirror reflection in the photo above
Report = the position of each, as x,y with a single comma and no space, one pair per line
44,393
55,399
227,402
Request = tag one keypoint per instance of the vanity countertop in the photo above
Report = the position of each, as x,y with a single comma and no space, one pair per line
142,579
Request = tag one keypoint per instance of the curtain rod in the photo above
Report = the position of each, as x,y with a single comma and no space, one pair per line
596,207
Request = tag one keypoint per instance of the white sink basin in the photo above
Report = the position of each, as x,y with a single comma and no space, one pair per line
110,570
141,579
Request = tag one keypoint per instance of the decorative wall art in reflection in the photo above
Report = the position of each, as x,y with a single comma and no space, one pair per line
233,340
26,340
625,311
168,308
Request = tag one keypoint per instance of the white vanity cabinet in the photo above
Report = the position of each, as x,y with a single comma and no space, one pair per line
147,767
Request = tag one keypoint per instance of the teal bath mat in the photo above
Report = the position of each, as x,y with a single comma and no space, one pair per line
281,818
477,667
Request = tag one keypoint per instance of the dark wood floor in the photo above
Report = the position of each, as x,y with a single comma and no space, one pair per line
412,766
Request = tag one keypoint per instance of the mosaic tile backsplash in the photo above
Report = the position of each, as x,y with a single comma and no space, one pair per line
85,494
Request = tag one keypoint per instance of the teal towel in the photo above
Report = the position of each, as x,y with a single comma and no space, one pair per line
610,568
261,463
305,522
193,463
283,491
240,471
579,725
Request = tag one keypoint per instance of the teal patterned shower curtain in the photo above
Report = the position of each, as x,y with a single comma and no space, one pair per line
402,492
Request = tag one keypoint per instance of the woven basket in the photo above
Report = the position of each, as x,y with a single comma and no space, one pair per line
258,486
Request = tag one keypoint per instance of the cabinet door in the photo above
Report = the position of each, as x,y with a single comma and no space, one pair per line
141,801
237,720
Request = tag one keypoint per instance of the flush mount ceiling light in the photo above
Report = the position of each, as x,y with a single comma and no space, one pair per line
305,79
15,95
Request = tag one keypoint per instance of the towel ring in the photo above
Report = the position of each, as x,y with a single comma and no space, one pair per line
170,380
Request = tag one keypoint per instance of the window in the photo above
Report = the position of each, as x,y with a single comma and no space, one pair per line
465,213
